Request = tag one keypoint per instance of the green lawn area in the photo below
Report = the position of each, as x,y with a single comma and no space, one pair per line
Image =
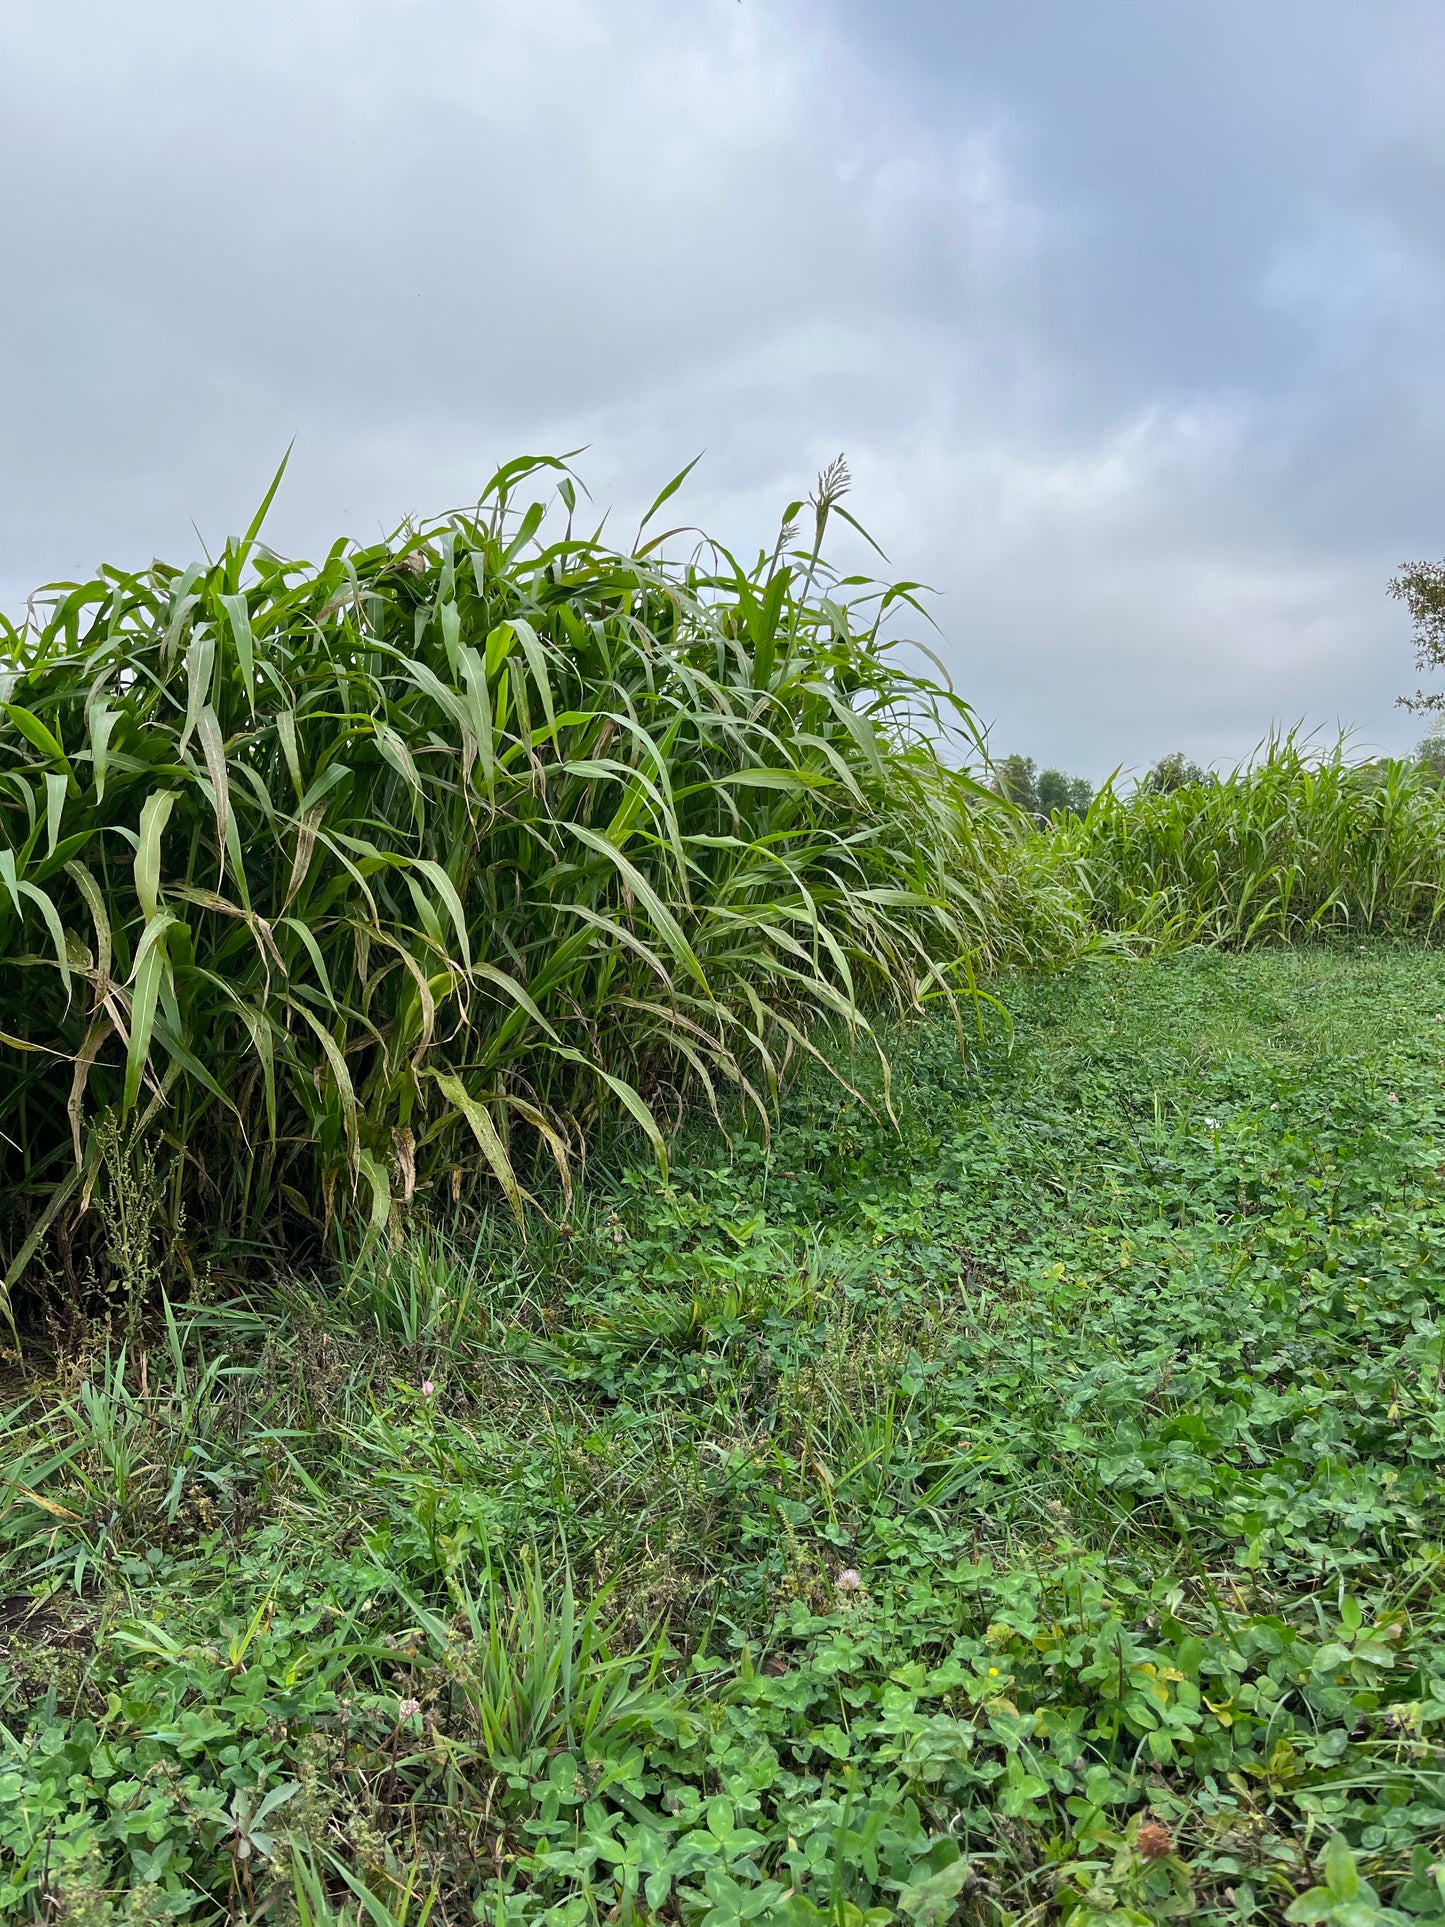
1033,1508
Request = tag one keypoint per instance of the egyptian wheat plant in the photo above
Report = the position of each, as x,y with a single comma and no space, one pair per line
1296,843
332,885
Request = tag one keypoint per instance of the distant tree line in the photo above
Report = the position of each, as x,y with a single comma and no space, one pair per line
1049,795
1045,794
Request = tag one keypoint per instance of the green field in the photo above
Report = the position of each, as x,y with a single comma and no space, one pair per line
1029,1511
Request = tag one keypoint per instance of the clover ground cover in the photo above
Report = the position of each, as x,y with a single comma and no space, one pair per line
1031,1512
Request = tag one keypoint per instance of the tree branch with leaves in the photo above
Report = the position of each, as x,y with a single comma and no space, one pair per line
1421,587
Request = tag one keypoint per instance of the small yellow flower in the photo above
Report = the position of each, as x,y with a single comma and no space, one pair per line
993,1672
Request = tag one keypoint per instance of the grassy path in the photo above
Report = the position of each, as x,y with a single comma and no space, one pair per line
1032,1512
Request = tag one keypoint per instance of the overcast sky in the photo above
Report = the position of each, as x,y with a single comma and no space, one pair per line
1128,314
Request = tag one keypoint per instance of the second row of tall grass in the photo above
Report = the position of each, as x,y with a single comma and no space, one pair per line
1297,843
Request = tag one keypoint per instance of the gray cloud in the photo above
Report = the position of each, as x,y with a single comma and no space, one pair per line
1127,316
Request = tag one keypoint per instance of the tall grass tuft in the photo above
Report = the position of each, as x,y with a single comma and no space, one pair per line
327,887
1291,845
